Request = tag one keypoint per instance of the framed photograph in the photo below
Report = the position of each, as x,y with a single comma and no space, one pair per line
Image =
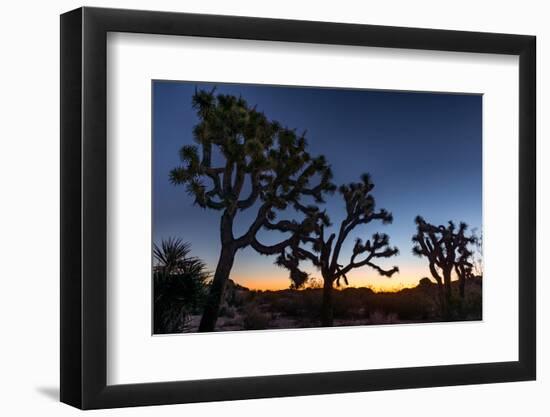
257,208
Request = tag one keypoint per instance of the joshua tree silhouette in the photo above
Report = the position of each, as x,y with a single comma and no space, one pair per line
325,252
262,162
446,249
464,266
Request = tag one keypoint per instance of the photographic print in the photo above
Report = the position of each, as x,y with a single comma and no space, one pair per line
353,206
279,207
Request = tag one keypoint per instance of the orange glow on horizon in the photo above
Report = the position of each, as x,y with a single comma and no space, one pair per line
261,285
278,280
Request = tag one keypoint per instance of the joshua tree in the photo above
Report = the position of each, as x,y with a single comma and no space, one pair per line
180,283
324,252
446,249
464,265
263,167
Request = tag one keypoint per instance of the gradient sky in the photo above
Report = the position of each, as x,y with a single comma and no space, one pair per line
423,151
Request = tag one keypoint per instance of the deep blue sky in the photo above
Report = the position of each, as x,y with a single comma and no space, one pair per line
423,150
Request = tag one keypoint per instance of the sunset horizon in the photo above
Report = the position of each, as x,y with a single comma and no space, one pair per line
390,168
358,279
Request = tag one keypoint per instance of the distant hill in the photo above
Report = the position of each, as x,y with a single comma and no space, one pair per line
232,285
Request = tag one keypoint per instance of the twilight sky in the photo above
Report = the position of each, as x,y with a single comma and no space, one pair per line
423,151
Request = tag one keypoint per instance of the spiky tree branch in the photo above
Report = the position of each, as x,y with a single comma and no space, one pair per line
324,252
464,262
262,163
446,248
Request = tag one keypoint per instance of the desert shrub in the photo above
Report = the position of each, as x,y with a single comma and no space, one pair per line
311,302
472,309
239,298
262,309
231,322
171,317
345,306
353,303
471,306
314,283
235,295
425,282
254,319
289,306
227,311
407,304
380,317
411,306
175,297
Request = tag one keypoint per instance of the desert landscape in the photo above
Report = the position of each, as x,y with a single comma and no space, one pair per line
385,189
244,309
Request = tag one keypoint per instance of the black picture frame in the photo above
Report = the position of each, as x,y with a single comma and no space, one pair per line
84,207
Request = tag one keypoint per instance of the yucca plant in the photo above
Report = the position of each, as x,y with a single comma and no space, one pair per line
180,285
171,255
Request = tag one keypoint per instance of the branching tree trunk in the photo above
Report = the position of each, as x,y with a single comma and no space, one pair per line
446,249
262,164
327,311
324,253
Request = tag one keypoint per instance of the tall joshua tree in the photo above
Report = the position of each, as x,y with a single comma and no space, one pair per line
324,251
446,248
263,167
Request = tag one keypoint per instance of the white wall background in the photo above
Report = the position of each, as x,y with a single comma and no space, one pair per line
29,225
